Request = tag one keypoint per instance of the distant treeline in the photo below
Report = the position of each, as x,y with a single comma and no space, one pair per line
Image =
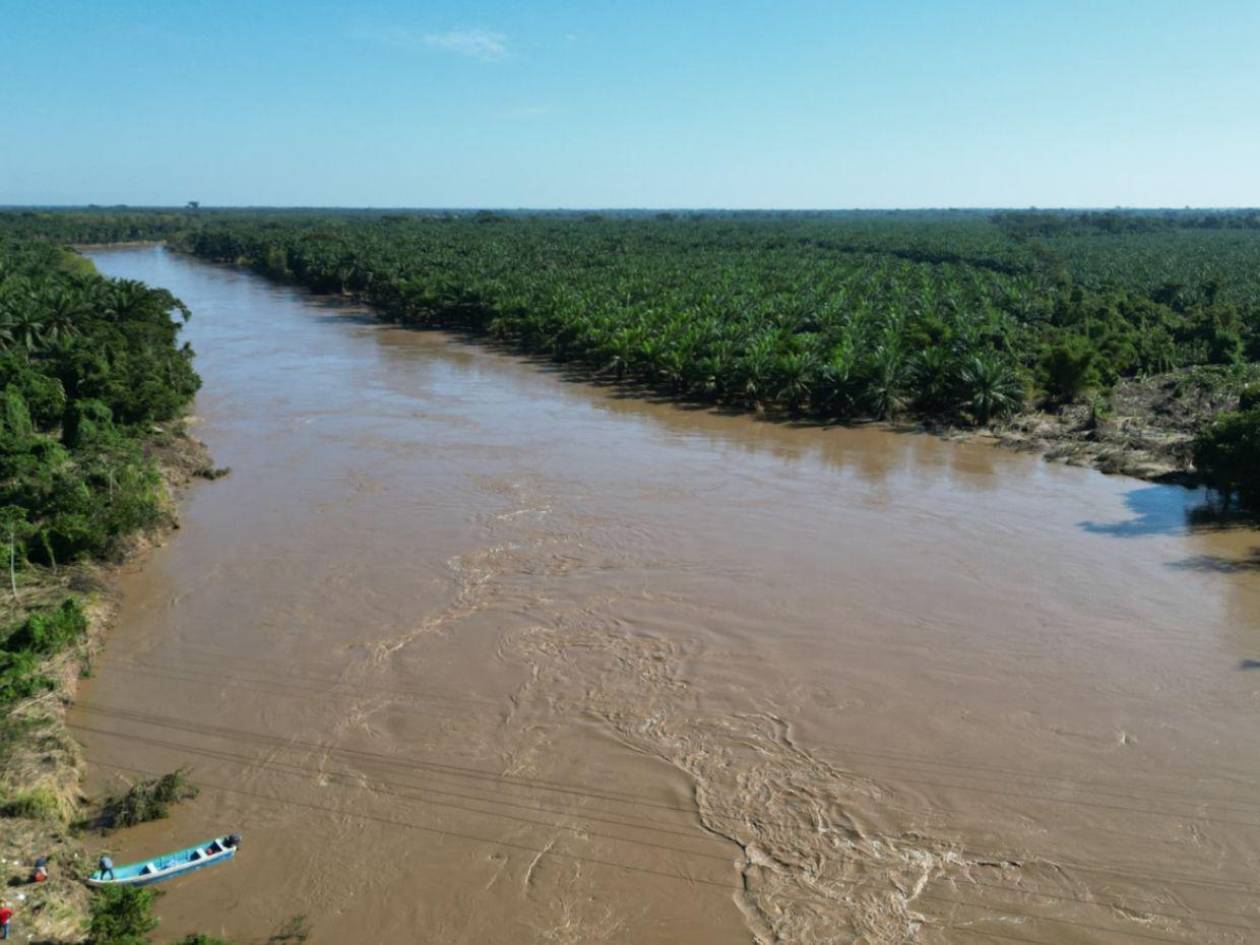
1042,223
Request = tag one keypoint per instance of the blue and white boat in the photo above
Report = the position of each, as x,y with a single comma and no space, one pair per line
147,872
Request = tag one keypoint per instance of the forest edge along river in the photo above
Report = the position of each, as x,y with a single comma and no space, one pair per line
472,653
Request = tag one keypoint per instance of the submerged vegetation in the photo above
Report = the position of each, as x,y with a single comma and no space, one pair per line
149,799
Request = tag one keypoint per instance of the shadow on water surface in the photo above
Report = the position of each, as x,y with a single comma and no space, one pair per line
1156,510
1174,510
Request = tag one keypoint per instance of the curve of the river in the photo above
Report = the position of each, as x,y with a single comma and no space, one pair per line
473,653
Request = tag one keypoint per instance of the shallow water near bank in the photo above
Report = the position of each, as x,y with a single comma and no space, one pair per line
470,653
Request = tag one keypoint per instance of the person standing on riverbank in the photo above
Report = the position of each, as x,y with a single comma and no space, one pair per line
6,916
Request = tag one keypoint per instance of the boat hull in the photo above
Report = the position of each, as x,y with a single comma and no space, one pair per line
169,866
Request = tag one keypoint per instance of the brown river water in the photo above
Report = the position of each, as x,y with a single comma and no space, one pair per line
473,653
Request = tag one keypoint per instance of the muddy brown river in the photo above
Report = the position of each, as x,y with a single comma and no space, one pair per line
472,653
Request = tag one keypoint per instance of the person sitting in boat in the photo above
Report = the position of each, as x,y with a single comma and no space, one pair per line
107,868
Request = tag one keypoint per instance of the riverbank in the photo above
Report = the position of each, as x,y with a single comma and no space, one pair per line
121,244
1144,428
41,764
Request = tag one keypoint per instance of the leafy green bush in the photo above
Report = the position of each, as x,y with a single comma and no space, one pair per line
121,915
20,677
47,632
25,645
1227,455
1069,367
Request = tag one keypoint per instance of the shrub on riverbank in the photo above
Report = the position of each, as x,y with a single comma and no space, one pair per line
25,647
1227,453
122,915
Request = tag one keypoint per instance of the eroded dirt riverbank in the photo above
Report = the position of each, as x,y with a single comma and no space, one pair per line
471,654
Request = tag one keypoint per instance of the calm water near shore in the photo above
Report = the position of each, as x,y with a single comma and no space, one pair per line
473,654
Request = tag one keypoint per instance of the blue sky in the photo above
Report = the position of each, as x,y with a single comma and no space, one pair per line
689,103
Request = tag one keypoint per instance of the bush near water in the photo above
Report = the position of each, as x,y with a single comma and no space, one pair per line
123,915
1228,451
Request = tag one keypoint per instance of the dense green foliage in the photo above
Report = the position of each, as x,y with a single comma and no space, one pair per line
955,316
122,915
1227,453
939,316
87,364
25,645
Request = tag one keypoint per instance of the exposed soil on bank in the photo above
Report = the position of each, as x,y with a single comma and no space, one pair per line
1145,428
45,762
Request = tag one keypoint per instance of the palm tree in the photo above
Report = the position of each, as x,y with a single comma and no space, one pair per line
63,311
991,387
886,382
837,379
755,367
934,377
22,327
796,371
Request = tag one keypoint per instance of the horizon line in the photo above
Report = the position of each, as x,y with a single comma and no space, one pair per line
471,208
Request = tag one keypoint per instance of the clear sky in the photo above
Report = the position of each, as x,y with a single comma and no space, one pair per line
639,103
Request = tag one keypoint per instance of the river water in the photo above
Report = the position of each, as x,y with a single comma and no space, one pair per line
470,652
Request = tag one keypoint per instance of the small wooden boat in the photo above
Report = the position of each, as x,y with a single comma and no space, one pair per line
147,872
